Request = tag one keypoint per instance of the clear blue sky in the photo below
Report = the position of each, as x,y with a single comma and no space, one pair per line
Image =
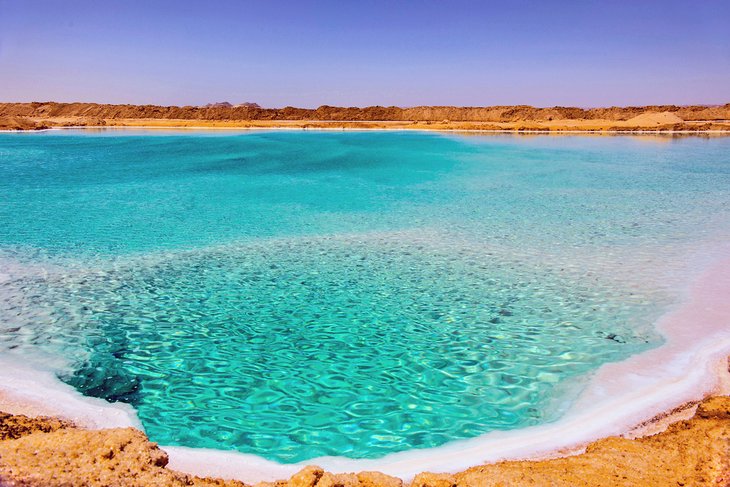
357,53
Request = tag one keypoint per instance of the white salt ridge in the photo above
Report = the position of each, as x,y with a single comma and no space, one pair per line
27,383
32,387
620,396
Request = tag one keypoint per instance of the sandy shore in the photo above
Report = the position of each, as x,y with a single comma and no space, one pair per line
557,126
696,451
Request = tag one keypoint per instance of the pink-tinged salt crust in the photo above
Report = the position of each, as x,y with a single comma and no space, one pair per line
691,364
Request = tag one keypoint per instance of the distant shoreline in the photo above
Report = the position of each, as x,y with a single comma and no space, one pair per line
498,119
525,132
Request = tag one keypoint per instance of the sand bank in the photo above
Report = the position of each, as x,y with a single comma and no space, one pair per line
551,127
520,118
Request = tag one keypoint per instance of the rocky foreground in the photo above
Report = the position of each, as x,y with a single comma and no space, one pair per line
38,115
50,452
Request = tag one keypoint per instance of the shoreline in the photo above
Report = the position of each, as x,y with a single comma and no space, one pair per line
406,127
513,118
196,463
692,450
384,128
632,398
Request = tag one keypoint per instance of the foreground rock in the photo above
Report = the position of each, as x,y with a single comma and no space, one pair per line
694,452
50,452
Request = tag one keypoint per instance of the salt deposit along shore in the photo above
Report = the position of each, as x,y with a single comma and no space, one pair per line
635,397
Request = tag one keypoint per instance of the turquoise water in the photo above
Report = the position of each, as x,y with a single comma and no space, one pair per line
294,294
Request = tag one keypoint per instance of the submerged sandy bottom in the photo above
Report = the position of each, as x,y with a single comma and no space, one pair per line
689,366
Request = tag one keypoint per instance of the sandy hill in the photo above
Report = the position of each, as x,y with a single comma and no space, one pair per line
518,117
374,113
654,118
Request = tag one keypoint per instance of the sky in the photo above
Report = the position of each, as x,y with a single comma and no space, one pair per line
366,52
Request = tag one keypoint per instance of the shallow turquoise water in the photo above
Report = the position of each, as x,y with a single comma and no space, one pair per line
296,294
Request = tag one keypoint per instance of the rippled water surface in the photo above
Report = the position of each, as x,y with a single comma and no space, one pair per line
298,294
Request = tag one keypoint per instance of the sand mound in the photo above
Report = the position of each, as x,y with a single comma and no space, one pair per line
654,118
19,123
14,427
